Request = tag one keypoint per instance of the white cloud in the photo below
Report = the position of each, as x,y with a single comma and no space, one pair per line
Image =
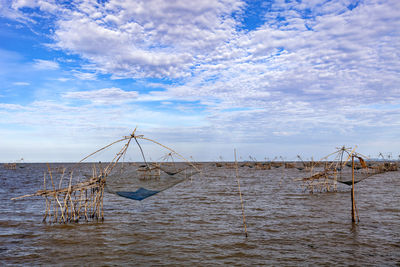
21,83
87,122
146,38
338,61
43,5
106,96
11,107
42,64
84,75
284,133
62,79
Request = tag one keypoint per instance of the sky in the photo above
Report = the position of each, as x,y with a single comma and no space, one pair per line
267,78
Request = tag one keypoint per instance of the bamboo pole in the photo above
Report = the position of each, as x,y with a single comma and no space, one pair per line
61,178
62,209
102,203
86,206
47,201
353,203
240,194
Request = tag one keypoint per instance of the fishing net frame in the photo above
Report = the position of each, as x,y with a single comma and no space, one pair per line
84,199
339,170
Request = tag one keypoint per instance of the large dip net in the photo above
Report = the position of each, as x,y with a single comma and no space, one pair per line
339,167
139,181
76,192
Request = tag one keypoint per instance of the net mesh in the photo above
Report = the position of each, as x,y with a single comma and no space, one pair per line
339,167
140,180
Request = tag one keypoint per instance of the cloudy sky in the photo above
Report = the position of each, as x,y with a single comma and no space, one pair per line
269,78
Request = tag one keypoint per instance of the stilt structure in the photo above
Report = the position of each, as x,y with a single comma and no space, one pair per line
324,179
325,174
10,166
75,200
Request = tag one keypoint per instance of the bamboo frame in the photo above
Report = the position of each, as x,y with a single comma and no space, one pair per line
326,180
10,166
84,200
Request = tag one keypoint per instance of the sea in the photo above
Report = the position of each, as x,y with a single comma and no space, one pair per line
200,222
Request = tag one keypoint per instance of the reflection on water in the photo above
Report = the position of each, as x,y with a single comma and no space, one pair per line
200,222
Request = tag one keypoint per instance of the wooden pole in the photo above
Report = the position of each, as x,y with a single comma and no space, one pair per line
353,203
240,194
47,201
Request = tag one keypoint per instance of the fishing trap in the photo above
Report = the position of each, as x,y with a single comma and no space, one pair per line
76,193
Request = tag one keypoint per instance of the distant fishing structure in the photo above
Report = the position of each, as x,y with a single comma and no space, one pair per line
347,167
81,196
13,165
10,166
337,168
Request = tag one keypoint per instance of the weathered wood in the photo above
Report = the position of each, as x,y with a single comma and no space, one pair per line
353,216
84,200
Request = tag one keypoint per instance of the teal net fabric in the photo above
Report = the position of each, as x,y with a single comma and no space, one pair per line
139,194
138,182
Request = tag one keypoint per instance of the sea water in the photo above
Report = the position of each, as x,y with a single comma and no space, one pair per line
199,222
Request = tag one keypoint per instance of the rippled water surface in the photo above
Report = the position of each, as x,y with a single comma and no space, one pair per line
199,222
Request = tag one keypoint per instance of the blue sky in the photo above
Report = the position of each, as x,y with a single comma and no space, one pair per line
269,78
